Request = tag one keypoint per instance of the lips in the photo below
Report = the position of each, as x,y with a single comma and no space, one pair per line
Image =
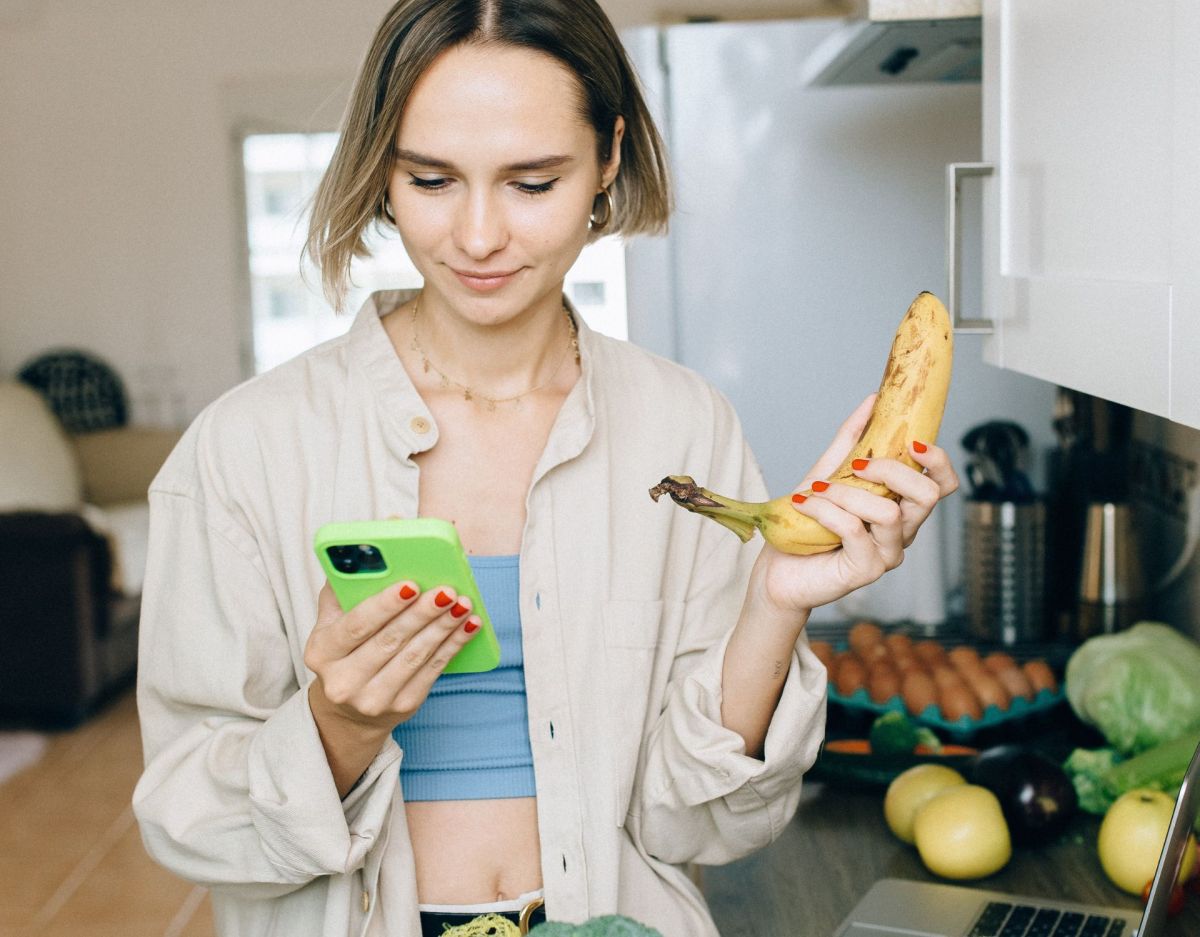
485,280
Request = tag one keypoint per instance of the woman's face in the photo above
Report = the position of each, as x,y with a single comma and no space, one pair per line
494,178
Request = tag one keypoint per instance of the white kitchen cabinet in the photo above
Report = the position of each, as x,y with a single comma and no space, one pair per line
1091,236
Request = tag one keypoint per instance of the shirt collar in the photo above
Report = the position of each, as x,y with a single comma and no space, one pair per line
403,411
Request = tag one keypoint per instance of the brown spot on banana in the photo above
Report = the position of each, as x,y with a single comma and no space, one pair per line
909,406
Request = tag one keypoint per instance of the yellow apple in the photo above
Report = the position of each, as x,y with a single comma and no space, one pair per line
961,833
1131,839
910,789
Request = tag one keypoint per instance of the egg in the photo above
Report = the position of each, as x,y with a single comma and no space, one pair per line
944,675
990,690
1040,676
958,701
824,651
918,691
850,675
883,682
929,652
904,661
998,660
864,635
899,644
1015,681
872,653
964,657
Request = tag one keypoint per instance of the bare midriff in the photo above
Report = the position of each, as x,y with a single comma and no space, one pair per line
475,851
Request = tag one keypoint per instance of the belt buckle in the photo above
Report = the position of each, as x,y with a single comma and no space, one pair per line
527,913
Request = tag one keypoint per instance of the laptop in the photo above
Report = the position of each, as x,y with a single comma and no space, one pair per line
896,908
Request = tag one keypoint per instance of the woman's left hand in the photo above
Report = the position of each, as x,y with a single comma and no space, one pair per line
874,530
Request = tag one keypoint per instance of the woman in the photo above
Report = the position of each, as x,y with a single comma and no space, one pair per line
657,703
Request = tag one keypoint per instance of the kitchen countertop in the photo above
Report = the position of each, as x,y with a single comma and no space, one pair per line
838,845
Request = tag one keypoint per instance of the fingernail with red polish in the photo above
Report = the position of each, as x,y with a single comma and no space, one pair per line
459,610
919,446
442,600
407,591
799,499
819,486
471,626
860,464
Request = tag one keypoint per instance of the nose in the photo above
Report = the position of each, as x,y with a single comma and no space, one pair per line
481,228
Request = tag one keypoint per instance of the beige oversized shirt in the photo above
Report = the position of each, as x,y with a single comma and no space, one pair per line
626,608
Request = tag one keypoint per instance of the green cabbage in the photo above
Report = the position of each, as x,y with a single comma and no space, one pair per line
1139,687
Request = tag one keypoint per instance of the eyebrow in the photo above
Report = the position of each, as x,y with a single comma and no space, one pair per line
544,162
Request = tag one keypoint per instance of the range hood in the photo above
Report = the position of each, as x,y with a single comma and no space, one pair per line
902,41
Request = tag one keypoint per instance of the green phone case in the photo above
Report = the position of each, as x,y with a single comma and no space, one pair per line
425,550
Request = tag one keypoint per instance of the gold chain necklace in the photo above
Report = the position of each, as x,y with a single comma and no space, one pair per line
469,393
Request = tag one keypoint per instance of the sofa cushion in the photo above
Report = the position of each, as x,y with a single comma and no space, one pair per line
38,466
126,527
119,464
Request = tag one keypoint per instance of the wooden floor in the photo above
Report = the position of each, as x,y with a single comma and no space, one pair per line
71,859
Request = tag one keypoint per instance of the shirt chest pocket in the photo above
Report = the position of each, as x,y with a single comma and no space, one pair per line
633,636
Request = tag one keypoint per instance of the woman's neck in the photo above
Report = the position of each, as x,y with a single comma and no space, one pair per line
491,360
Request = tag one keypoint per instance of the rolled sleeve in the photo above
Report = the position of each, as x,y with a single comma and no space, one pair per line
704,799
294,802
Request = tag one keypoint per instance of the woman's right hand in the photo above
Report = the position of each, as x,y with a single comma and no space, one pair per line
375,665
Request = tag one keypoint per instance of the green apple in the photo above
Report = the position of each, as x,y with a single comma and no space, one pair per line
1131,839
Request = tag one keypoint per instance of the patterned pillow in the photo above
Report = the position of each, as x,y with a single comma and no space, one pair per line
83,391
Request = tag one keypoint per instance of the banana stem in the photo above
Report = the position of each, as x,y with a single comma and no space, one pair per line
742,517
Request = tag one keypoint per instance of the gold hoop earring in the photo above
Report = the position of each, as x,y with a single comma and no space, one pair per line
386,210
599,224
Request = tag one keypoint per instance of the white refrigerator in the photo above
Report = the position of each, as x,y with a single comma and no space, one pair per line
807,219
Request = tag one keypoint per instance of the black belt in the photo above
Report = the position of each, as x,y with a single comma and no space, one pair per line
435,923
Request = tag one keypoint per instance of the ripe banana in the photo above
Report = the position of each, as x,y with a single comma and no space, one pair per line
912,397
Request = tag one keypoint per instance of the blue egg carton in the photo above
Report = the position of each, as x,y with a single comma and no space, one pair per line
961,729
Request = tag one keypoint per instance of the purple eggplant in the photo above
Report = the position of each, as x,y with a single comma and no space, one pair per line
1036,795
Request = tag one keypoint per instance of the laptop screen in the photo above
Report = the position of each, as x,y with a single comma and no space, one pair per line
1186,804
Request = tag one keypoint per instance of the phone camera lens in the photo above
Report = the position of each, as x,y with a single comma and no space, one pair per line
345,559
370,559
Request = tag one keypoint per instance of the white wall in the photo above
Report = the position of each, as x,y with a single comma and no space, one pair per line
119,173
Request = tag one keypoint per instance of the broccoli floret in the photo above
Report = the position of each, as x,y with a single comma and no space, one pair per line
1088,770
894,733
610,925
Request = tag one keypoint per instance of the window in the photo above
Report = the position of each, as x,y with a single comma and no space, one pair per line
289,314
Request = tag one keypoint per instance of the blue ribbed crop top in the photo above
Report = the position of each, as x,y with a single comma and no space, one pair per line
470,738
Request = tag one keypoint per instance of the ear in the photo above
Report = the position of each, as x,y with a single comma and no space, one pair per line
609,170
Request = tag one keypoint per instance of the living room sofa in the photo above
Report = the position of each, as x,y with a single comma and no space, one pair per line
74,522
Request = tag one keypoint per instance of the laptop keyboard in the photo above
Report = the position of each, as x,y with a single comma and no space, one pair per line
1000,919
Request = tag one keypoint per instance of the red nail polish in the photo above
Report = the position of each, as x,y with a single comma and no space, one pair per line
799,499
442,600
459,610
407,592
471,626
860,464
819,486
920,447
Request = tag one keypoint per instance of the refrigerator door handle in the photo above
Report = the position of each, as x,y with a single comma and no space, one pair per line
955,172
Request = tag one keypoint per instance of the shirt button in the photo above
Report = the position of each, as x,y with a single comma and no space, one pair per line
419,425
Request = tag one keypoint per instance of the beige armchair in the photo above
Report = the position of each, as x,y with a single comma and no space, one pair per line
74,522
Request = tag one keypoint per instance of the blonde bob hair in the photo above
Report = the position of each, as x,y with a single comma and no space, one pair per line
412,35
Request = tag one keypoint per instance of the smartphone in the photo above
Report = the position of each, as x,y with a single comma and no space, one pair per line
360,558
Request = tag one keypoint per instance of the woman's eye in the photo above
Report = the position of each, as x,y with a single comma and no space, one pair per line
429,184
531,188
